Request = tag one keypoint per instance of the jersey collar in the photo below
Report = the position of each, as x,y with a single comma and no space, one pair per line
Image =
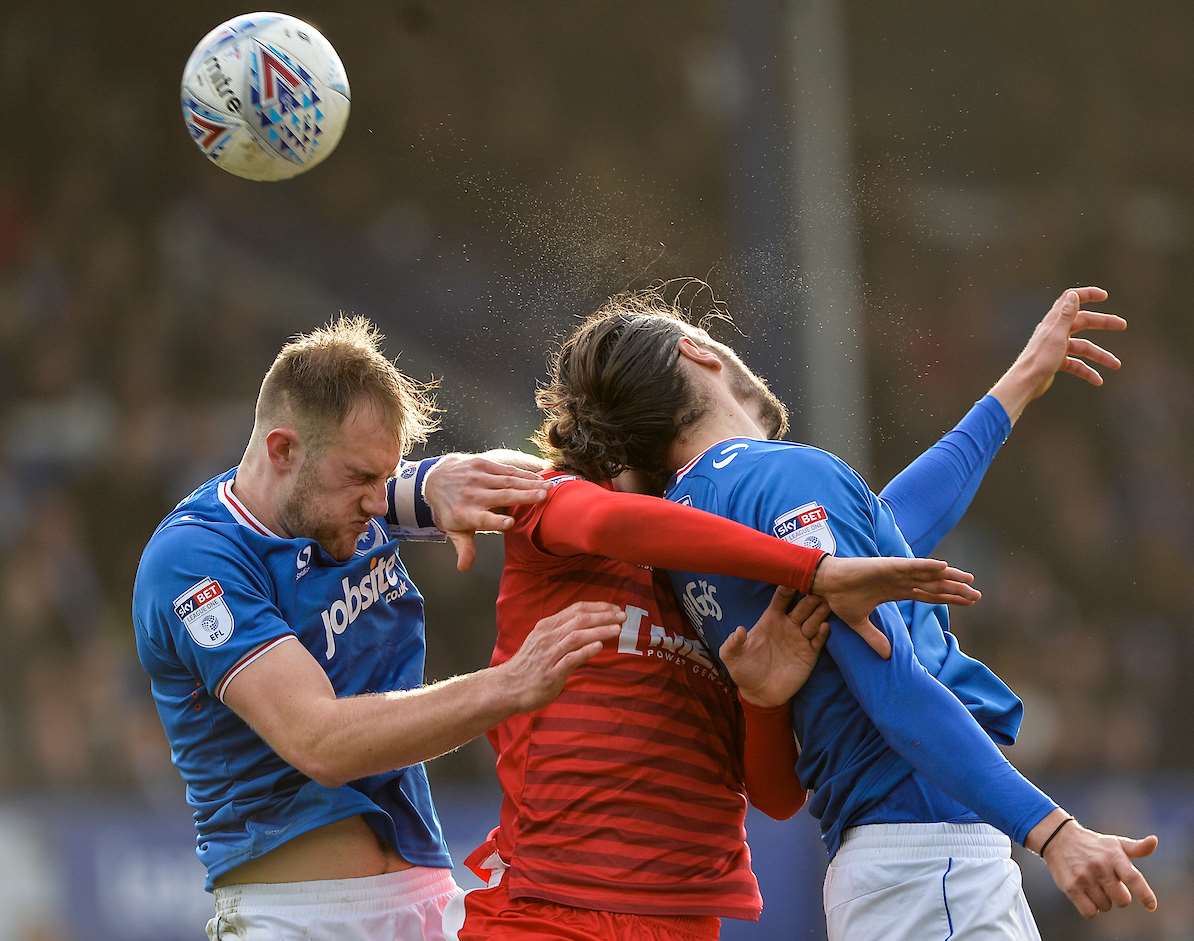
240,512
679,475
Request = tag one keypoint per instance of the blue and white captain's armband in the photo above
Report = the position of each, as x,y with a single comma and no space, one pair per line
408,515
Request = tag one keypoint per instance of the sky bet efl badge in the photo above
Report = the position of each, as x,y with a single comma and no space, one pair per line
806,526
202,609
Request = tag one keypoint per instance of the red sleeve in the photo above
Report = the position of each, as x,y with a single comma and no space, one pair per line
581,518
769,761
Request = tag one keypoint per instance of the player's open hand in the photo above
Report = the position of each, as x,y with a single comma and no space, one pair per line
1095,870
854,587
466,492
1055,347
555,647
773,660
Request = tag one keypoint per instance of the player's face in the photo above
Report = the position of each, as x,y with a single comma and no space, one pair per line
341,486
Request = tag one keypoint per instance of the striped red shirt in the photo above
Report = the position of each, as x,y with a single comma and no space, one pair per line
625,794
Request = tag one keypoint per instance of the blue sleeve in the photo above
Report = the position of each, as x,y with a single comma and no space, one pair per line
200,600
928,726
931,494
917,716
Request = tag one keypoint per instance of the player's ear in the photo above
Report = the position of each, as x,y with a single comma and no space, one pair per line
702,356
284,450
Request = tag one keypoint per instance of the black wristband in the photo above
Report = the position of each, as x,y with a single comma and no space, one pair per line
816,569
1056,831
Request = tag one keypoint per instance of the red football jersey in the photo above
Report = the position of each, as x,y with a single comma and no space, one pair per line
625,794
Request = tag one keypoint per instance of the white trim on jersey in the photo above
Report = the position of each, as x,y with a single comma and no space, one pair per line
248,658
239,511
696,460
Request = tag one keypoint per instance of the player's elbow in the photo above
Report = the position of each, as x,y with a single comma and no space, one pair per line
781,806
323,774
777,810
315,754
307,757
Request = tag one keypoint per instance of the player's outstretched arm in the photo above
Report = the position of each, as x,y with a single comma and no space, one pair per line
931,494
1094,870
286,697
927,725
582,518
918,717
853,588
1055,347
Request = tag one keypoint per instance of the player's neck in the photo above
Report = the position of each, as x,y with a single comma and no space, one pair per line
252,488
724,419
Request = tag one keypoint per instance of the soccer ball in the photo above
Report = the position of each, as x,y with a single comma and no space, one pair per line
265,96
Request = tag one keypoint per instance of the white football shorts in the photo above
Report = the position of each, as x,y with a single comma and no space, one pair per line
926,882
396,906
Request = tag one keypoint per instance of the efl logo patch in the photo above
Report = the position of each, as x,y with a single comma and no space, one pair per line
202,610
806,526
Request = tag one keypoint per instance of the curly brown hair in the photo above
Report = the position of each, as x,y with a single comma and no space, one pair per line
616,398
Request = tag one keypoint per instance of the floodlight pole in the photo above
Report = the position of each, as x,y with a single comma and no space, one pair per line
825,236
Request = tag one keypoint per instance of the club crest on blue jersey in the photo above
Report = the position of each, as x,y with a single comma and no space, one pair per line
202,609
374,537
807,526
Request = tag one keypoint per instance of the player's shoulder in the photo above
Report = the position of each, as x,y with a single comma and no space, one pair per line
181,551
796,454
556,477
783,468
557,480
527,516
204,500
521,540
746,459
182,535
198,529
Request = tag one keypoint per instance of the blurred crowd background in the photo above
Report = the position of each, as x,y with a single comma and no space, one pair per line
506,167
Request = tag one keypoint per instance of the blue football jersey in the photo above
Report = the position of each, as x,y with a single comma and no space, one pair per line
214,591
881,741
